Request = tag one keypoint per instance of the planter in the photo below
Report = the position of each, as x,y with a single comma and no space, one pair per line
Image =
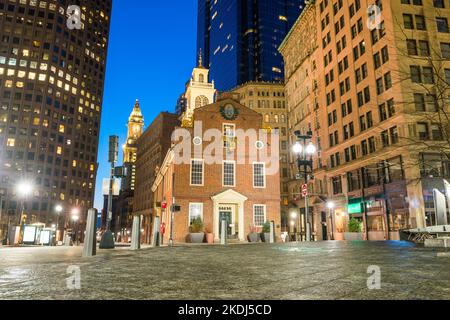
353,236
253,237
265,237
197,237
210,238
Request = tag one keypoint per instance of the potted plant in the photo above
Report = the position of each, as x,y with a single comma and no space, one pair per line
209,236
253,236
354,230
265,234
197,231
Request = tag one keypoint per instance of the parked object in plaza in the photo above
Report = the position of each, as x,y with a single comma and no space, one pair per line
265,235
354,231
209,237
253,236
197,234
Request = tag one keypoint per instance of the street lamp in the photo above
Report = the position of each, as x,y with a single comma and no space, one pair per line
75,217
58,209
331,205
305,149
23,190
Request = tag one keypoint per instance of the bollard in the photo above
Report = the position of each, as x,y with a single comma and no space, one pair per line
155,238
90,241
136,233
223,235
272,232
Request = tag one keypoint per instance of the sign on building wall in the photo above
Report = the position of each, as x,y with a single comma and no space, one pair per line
440,205
116,187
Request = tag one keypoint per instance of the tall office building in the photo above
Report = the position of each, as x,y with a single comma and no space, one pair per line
239,39
373,89
52,73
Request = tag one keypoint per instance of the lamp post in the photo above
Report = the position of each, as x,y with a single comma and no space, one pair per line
107,241
23,190
331,206
58,210
305,150
75,217
1,220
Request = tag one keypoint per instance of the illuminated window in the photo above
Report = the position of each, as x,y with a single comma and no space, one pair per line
62,129
11,142
59,150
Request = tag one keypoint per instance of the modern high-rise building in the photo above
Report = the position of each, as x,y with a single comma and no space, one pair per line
52,72
239,39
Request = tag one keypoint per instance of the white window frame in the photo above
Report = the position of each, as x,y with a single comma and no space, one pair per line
264,173
203,173
254,216
189,213
234,173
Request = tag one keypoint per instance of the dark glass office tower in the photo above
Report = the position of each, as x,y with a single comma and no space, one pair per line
51,92
239,39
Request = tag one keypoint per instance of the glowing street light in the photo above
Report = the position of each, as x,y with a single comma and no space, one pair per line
311,149
331,205
294,215
24,188
59,209
297,148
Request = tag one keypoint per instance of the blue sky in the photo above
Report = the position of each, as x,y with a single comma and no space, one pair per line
151,54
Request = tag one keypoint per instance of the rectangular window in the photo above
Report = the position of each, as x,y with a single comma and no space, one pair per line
197,172
229,173
229,135
195,212
259,215
259,175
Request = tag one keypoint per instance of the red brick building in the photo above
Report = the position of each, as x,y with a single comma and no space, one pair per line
223,164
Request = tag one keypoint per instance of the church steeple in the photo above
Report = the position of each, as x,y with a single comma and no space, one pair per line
135,129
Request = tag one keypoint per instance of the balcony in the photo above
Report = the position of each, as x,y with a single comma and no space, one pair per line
202,84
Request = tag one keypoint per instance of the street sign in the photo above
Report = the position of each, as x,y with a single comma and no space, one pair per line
113,149
164,205
305,190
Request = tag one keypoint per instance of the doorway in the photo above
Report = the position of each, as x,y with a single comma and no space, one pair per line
227,213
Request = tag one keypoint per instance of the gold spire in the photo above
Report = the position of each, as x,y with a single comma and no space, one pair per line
136,110
200,59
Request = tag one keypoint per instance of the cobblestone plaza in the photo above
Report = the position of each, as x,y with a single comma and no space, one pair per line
327,270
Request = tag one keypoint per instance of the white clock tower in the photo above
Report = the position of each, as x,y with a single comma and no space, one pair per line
199,92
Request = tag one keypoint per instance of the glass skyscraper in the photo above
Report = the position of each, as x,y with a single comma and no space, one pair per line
239,39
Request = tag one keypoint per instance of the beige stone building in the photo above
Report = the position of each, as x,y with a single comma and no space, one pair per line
380,75
269,100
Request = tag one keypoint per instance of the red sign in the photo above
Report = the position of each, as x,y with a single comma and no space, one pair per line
164,205
304,190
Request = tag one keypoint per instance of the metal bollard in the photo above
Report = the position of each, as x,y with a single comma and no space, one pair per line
272,232
90,241
136,233
223,235
155,238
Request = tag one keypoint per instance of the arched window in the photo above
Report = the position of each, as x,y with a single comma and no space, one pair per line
277,118
283,118
201,101
201,78
266,118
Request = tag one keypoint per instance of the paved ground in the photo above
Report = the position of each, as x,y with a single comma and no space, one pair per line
329,270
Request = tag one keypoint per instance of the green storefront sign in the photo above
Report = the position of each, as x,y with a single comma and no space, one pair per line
355,206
